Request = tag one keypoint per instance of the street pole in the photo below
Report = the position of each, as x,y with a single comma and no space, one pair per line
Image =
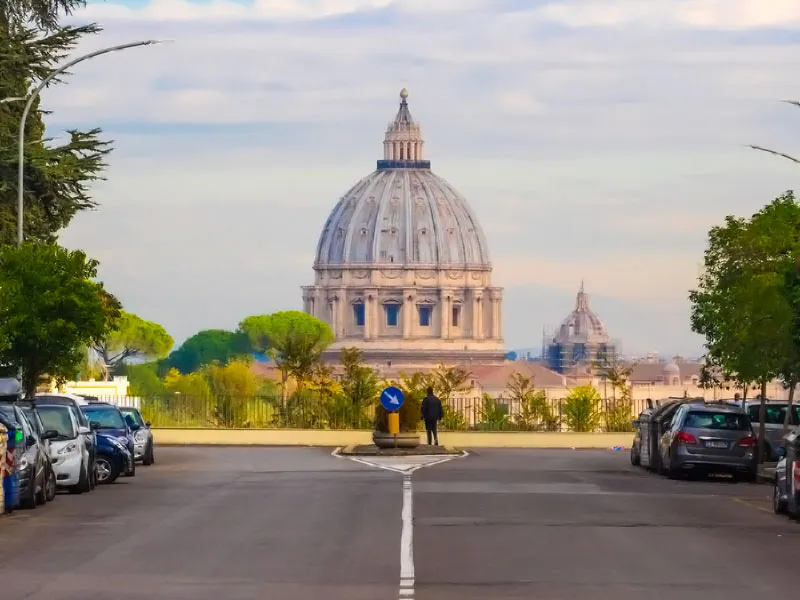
31,97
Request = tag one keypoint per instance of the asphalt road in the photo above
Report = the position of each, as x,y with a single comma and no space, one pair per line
297,524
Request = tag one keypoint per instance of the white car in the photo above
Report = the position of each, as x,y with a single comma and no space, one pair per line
68,452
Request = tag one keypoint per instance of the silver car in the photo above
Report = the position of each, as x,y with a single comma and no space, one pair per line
709,437
773,423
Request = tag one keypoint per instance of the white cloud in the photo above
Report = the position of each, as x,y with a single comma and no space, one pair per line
595,140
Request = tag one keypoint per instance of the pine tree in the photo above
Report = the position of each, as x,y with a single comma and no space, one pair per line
57,177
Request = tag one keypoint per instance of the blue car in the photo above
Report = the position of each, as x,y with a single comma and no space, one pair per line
108,419
113,458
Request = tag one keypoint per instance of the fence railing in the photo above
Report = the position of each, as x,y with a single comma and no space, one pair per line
461,414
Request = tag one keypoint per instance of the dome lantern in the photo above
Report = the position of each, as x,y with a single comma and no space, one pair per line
403,145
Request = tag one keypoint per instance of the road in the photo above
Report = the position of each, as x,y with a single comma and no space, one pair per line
299,524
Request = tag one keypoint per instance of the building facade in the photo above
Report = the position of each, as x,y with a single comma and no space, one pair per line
402,267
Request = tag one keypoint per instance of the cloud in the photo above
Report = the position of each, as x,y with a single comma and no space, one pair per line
594,140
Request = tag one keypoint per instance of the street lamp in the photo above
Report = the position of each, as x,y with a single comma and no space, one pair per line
32,96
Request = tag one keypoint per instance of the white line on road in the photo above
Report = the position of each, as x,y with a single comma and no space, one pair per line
407,542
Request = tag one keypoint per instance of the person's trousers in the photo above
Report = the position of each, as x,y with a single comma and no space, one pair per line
433,434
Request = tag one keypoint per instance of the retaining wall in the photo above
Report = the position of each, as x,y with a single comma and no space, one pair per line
333,438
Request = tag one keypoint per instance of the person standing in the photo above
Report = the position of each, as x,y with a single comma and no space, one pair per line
432,413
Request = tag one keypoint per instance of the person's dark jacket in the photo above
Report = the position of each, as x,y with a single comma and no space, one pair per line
432,410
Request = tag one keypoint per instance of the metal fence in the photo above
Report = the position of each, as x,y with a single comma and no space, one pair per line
309,412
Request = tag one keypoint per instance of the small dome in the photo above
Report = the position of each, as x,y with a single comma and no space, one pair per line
582,326
672,369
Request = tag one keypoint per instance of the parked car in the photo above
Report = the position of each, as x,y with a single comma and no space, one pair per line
780,484
773,422
68,452
75,403
39,428
32,462
142,438
709,437
113,458
110,421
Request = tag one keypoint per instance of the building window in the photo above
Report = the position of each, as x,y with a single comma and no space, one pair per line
392,314
425,316
456,316
358,314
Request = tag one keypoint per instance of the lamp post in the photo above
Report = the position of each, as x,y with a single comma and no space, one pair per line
31,97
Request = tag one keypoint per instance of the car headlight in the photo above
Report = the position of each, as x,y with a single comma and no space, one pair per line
123,440
141,437
23,463
69,448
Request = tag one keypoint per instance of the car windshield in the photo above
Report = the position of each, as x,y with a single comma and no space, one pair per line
717,420
133,414
58,418
108,418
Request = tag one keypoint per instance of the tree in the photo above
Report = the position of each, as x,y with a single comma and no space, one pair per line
133,337
582,409
209,346
293,339
144,380
50,309
360,385
535,413
57,177
741,305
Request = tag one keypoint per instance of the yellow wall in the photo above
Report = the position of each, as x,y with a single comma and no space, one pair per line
330,438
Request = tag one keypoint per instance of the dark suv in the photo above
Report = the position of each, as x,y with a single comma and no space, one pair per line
108,419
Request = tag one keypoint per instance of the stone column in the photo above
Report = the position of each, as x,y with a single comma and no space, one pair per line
446,312
408,312
477,314
367,318
340,306
495,297
334,308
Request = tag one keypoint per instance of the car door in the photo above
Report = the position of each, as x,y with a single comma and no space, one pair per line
33,446
669,434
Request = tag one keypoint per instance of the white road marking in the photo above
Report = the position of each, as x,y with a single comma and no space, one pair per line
407,541
406,465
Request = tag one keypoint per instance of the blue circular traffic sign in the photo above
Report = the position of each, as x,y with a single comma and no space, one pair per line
392,398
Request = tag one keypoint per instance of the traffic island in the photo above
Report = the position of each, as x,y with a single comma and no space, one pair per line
421,450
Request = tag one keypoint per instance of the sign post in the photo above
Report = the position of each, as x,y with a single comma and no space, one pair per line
392,399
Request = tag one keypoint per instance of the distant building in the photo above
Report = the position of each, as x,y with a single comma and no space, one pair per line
581,344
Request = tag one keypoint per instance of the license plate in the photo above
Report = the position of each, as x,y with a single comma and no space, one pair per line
716,444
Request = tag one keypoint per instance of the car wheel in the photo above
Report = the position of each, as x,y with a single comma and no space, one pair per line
148,456
41,494
132,472
51,487
83,483
778,505
29,501
635,460
106,471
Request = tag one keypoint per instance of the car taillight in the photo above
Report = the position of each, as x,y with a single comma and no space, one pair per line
747,442
685,438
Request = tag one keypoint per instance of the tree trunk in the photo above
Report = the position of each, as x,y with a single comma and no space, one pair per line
284,379
762,417
787,418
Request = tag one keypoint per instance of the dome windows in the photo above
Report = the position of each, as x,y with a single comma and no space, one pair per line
392,311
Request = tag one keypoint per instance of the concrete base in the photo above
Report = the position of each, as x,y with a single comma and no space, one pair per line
335,438
420,450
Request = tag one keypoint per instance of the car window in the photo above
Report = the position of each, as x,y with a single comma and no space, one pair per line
134,414
58,418
717,420
108,418
775,414
26,425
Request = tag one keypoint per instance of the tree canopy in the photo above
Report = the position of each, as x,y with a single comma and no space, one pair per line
132,337
293,339
209,346
38,281
743,304
56,176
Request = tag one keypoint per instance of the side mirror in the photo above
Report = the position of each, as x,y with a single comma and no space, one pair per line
780,451
131,423
84,430
30,441
147,424
50,434
94,425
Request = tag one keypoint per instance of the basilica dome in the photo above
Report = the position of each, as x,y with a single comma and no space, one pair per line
402,267
402,213
582,326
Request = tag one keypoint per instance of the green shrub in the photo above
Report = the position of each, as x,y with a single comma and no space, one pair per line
582,409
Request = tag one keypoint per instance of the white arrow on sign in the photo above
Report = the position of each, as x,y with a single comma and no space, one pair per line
392,399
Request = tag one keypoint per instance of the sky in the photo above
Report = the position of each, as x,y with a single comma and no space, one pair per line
596,141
